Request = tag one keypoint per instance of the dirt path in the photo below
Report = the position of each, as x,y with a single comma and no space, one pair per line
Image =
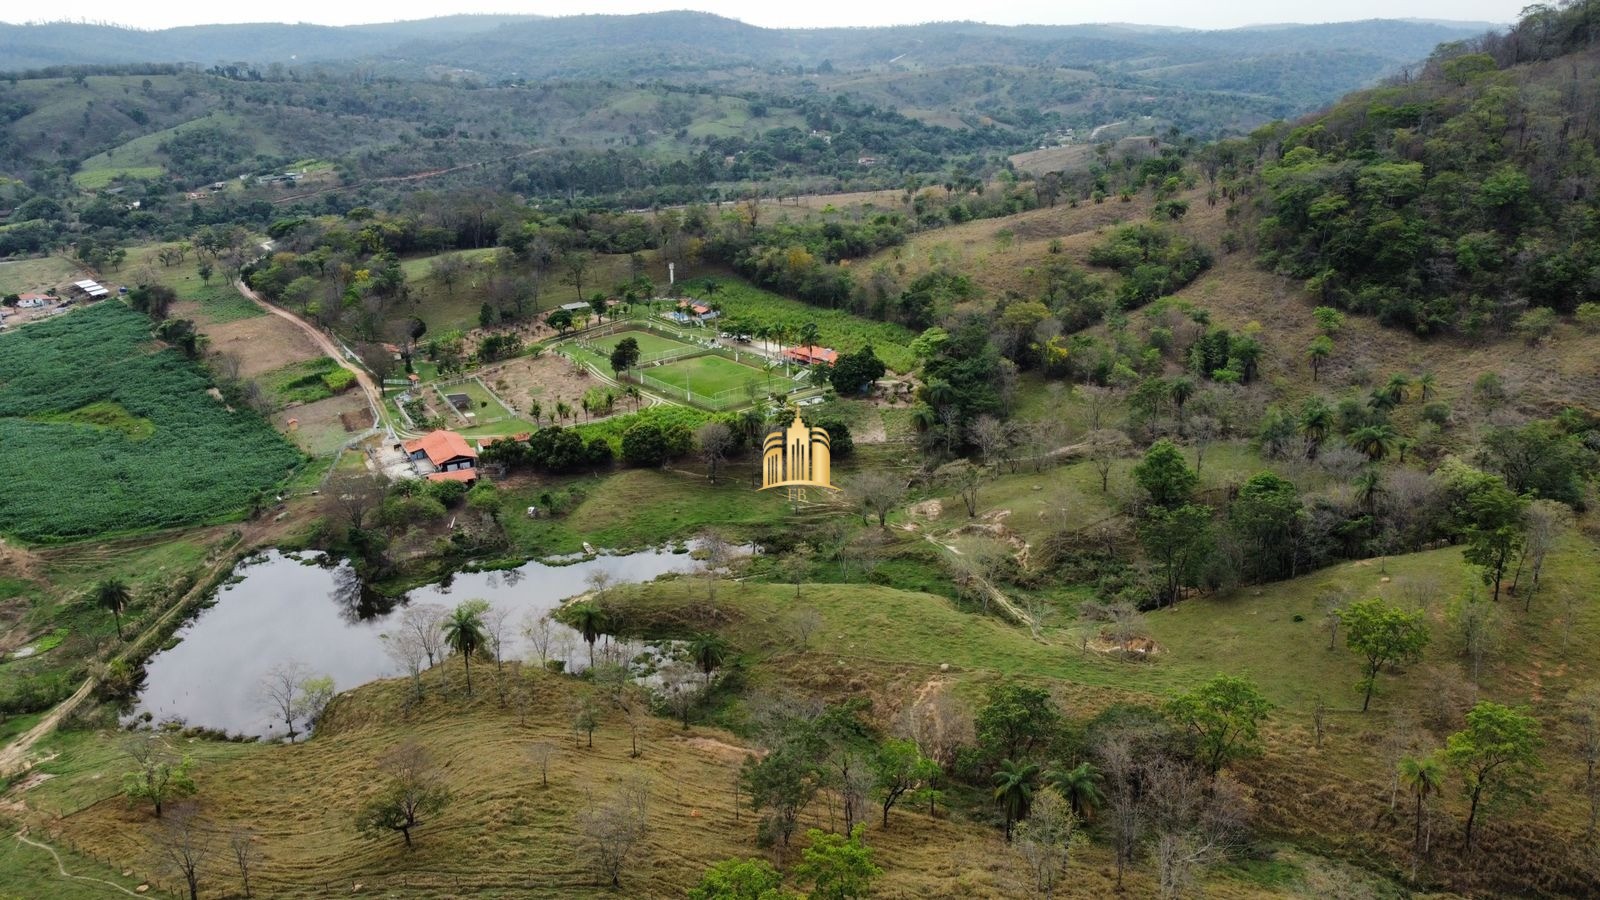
23,837
14,756
415,176
368,386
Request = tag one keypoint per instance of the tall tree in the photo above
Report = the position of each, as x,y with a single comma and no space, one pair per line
1014,783
1223,717
1384,635
590,622
463,633
1165,475
709,651
1080,785
1422,776
113,596
414,792
1496,755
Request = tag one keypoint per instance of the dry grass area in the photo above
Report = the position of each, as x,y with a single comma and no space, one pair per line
546,381
261,343
1072,157
322,427
505,834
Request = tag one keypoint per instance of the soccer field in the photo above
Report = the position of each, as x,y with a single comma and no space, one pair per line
708,375
649,342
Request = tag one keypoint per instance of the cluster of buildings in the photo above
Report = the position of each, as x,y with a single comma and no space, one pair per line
691,312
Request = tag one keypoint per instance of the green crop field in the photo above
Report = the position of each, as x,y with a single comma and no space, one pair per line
847,333
132,440
707,375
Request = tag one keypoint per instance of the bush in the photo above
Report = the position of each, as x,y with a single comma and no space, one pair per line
1437,412
1588,317
339,380
1536,324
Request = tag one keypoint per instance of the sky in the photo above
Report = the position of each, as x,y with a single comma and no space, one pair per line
814,13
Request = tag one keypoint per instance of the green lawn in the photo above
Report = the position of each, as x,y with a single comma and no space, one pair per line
649,342
707,375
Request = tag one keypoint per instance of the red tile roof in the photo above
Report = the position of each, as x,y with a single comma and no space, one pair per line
485,442
813,354
455,475
441,446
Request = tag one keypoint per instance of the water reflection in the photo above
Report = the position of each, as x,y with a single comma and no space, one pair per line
304,609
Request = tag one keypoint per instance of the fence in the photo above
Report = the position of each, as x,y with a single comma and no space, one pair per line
732,398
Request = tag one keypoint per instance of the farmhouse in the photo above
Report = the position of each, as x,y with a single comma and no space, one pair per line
691,313
34,301
812,355
442,456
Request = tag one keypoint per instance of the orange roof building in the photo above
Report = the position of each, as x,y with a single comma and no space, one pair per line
468,476
813,354
443,451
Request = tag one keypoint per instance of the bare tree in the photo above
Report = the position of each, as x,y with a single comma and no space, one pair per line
1332,604
1543,522
242,840
803,622
1477,626
184,845
1105,447
965,479
1203,431
1117,754
405,648
681,687
1096,401
496,627
540,753
880,492
796,565
993,438
279,689
425,622
939,724
713,440
1584,702
538,631
715,554
609,833
353,495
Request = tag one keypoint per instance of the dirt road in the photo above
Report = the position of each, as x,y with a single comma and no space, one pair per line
368,387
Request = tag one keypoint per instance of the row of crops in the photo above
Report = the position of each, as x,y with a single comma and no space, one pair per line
72,475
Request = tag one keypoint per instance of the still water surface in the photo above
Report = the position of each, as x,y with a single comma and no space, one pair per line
298,609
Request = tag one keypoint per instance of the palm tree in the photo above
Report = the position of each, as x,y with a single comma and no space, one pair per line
923,417
1376,441
1422,776
634,395
1316,420
463,632
1013,790
1369,487
1427,386
1321,348
1180,390
709,652
113,596
590,621
809,335
1397,388
1080,785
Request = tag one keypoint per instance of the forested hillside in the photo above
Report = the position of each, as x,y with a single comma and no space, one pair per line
1466,199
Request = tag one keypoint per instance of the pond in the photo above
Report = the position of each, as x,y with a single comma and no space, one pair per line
286,609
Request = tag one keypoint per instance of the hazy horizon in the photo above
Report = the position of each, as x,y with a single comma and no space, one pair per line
823,14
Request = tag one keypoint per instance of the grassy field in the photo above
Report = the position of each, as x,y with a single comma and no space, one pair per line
650,343
707,375
142,156
300,382
195,462
24,275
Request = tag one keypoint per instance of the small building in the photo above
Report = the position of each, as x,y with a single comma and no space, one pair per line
578,308
34,301
812,355
91,289
486,443
442,456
